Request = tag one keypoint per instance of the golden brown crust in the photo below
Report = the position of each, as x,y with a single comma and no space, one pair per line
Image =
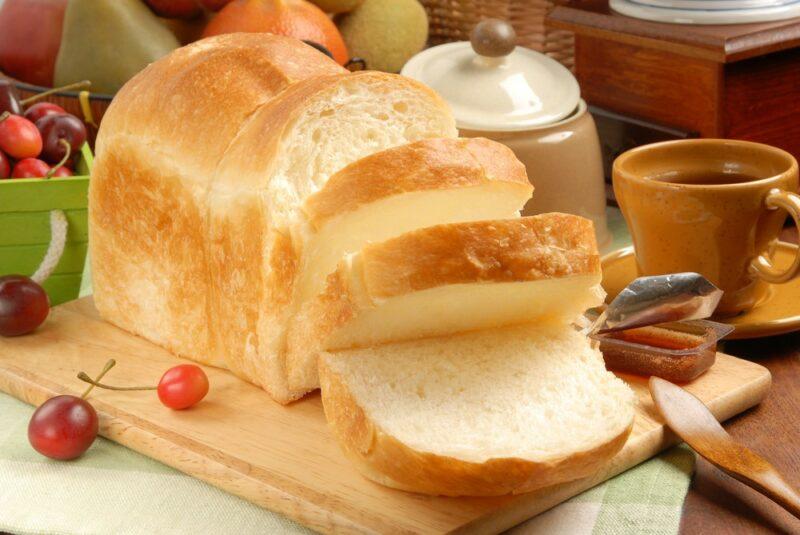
149,273
386,460
195,99
525,249
440,163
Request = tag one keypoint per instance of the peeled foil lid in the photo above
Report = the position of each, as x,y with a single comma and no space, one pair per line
660,299
520,91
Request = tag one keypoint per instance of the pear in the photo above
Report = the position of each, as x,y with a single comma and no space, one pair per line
108,41
385,33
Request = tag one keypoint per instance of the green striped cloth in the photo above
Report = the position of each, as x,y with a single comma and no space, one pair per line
112,489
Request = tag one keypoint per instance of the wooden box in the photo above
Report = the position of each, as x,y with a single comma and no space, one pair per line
733,81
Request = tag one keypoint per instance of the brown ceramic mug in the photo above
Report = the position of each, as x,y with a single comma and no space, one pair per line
711,206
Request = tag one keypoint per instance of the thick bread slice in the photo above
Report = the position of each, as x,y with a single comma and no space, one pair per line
494,412
448,279
285,152
404,188
160,141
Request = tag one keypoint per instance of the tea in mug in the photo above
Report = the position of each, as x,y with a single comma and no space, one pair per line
705,178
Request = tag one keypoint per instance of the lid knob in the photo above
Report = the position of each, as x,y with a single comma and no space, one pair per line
493,38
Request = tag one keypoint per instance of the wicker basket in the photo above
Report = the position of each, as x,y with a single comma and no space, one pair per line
453,20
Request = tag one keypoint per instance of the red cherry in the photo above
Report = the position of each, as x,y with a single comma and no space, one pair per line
61,172
182,386
56,127
23,305
63,427
40,109
5,165
30,168
19,137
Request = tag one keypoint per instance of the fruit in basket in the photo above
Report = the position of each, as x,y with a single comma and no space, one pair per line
57,127
108,41
61,171
5,165
386,33
40,109
9,98
19,137
30,36
295,18
63,427
175,9
30,168
23,305
337,6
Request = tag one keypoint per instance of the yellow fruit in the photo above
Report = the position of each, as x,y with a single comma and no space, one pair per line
337,6
386,33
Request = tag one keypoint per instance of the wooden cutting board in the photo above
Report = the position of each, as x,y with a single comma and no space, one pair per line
284,458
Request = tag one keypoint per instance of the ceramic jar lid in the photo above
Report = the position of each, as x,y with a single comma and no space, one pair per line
491,85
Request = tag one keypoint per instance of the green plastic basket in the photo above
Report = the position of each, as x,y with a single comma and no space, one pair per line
25,205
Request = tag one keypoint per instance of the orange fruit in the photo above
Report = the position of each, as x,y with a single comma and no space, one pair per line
295,18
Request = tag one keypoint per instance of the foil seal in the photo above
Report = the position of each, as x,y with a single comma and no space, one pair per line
659,299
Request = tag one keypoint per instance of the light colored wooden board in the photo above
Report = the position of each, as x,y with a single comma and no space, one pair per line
284,458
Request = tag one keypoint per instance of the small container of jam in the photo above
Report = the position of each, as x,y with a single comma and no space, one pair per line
678,351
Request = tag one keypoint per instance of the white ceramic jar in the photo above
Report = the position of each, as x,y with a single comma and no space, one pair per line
532,104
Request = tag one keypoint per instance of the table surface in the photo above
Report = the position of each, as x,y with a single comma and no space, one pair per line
720,43
716,503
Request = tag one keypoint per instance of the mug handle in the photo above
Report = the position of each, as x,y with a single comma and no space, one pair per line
762,265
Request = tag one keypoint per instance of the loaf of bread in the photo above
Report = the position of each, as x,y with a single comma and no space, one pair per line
256,207
203,163
157,152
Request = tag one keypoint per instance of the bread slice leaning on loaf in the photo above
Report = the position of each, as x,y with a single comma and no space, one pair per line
486,413
404,188
448,279
285,152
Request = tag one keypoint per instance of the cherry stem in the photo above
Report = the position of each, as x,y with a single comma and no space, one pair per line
5,115
110,364
68,153
95,382
77,85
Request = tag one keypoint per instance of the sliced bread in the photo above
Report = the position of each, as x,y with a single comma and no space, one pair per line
448,279
494,412
425,183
